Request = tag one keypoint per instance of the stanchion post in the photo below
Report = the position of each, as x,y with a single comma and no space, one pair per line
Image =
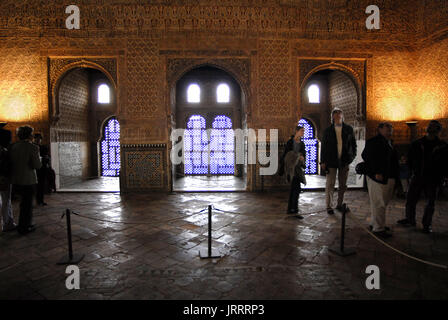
72,259
341,250
209,253
209,230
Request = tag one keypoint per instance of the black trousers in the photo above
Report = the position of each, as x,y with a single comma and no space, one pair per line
416,186
41,185
26,193
293,203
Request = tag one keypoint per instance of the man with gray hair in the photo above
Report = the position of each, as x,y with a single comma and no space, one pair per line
381,161
338,151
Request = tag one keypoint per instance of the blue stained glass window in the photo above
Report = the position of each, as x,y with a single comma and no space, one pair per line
110,149
311,146
202,156
195,146
222,145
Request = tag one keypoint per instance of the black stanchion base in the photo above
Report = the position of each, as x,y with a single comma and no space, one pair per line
74,260
346,252
203,254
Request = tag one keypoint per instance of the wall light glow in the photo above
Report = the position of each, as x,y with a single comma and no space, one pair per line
16,108
410,103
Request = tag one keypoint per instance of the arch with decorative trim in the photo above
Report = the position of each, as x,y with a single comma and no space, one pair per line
58,77
352,75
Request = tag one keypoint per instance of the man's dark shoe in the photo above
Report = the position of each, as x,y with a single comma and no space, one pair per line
427,229
10,228
406,222
385,228
330,211
27,230
382,234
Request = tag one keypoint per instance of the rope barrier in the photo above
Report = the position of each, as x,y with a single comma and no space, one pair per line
303,214
394,249
174,219
134,223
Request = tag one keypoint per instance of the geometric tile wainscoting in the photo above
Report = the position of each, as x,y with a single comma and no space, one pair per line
144,168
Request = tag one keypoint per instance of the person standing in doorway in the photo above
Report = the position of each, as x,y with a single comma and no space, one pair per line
427,175
381,161
338,151
292,164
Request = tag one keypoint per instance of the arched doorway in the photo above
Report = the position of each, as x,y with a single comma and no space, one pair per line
84,100
320,92
208,105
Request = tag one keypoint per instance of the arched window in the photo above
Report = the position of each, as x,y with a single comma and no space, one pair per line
193,93
110,149
103,94
313,94
195,146
222,146
311,144
223,93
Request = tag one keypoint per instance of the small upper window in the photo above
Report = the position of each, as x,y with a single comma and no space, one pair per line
313,94
194,93
103,94
223,93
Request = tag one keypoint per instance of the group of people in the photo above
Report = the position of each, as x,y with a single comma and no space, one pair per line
24,168
425,165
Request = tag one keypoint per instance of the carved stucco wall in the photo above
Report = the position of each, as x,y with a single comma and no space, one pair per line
342,95
70,135
403,61
22,84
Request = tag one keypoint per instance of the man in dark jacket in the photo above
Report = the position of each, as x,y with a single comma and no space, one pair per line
338,151
5,181
42,173
426,175
25,159
381,161
295,176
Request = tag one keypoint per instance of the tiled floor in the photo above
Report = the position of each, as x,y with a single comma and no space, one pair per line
102,184
213,183
231,183
266,254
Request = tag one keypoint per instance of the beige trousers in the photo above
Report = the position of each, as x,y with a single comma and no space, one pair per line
331,180
379,195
